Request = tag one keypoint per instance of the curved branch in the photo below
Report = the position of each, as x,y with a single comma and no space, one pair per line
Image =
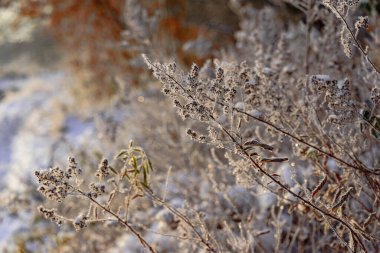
123,222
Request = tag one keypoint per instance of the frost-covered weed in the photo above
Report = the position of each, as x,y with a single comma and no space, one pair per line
272,110
286,152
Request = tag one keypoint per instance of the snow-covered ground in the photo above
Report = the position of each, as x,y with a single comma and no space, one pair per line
34,130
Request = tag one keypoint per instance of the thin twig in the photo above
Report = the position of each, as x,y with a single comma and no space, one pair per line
303,200
184,219
361,49
123,222
267,174
278,129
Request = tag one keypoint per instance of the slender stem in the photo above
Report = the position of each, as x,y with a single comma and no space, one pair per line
361,49
307,34
125,223
305,201
183,218
361,168
271,177
278,129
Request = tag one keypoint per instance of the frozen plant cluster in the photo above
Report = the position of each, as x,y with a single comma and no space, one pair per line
263,116
278,150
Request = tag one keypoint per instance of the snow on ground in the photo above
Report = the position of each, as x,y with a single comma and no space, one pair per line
31,122
37,132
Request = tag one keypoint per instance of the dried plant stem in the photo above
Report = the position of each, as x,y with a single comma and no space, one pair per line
278,129
340,237
303,200
143,242
361,49
307,35
181,216
323,211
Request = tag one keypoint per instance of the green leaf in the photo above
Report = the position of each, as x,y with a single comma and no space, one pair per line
134,162
113,170
121,153
145,174
137,149
150,164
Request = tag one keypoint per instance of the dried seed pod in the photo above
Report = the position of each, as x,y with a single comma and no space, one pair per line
368,220
319,186
342,199
254,143
274,160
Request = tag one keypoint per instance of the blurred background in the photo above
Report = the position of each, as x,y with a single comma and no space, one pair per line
72,82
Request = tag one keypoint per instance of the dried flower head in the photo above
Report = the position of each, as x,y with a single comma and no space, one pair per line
54,183
80,222
103,169
72,167
51,214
